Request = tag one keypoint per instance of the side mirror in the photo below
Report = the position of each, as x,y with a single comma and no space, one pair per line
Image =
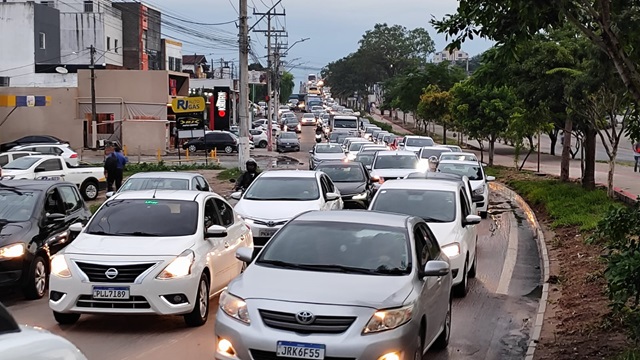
375,179
331,196
477,198
109,194
435,268
236,195
76,227
244,254
471,220
216,231
55,217
491,178
368,167
40,169
310,151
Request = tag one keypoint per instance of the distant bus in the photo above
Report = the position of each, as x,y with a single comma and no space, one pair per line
312,78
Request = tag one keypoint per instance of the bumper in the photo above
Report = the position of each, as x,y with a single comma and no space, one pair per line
12,271
457,264
284,148
350,202
258,341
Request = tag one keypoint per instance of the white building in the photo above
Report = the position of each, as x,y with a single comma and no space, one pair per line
450,55
172,53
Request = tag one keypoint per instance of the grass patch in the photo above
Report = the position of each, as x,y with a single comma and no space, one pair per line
629,355
162,166
231,173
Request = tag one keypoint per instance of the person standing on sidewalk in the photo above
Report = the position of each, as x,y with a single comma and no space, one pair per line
110,166
121,162
636,155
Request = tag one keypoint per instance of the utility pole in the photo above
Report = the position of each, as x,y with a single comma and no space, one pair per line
243,148
270,109
94,114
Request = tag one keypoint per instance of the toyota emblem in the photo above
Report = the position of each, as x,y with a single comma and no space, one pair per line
111,273
305,318
271,224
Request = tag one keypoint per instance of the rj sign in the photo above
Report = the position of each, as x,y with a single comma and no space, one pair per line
188,105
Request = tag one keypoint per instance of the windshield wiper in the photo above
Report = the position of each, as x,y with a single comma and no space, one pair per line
393,271
100,232
279,263
138,233
10,188
339,268
428,219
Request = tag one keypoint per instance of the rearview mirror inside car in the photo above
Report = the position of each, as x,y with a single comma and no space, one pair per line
435,268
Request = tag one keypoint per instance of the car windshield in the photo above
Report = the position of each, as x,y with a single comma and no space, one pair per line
288,135
339,247
133,184
365,158
343,172
427,153
458,157
328,149
430,205
473,172
292,121
357,146
345,123
140,217
337,138
283,189
22,163
309,116
370,130
419,142
395,162
315,103
16,206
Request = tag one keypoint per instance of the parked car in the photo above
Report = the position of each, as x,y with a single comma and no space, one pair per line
276,197
325,152
216,139
479,180
9,156
259,137
287,141
31,139
445,207
364,284
34,221
33,343
89,179
70,156
163,180
175,250
353,181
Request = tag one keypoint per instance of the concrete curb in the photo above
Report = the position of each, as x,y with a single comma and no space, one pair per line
536,330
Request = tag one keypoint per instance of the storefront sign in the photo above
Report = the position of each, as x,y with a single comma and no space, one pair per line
188,105
189,123
221,111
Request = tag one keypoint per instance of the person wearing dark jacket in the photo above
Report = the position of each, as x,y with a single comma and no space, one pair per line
110,167
248,176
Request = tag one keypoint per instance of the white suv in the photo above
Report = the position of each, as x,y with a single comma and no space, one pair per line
69,156
478,179
149,252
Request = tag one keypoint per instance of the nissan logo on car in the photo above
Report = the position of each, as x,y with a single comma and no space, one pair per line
111,273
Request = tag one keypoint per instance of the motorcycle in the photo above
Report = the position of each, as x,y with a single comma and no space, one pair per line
318,138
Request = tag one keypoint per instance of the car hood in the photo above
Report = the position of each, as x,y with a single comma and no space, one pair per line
350,188
446,233
389,173
13,231
260,282
274,210
330,156
129,245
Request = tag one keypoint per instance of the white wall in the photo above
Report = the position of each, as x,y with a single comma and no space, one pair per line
189,67
172,51
113,29
16,40
42,80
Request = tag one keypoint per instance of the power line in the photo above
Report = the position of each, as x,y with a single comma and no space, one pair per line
234,7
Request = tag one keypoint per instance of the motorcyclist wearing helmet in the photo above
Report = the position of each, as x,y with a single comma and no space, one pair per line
319,128
248,176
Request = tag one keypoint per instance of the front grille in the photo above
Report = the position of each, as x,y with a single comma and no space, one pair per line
126,273
321,324
385,178
269,355
267,223
134,302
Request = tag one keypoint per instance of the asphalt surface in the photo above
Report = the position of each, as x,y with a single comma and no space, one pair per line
492,322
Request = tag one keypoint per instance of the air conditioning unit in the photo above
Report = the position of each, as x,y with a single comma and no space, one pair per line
4,81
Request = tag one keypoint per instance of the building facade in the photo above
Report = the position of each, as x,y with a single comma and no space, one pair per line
450,55
171,55
141,36
195,65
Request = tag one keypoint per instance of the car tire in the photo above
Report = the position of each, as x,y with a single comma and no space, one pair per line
89,190
192,148
443,339
37,279
262,144
462,289
198,316
66,319
474,267
228,149
483,214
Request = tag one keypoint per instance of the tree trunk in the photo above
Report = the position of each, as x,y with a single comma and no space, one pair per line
589,178
444,133
565,162
480,145
553,136
492,142
612,167
404,119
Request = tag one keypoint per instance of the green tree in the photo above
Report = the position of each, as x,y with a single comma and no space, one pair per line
435,105
286,87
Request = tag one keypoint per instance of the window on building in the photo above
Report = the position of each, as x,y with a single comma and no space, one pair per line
48,3
144,40
42,40
178,65
108,43
172,63
88,6
115,45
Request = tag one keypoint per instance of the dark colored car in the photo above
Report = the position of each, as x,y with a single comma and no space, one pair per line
31,139
353,181
338,137
288,141
366,157
219,140
35,216
291,124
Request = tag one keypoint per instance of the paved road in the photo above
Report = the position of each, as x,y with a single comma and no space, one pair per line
492,322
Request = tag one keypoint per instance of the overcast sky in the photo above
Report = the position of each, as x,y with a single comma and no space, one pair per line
333,26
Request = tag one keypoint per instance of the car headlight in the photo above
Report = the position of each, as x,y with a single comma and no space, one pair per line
7,177
451,250
479,191
179,267
285,128
60,267
360,196
12,251
388,319
299,127
234,307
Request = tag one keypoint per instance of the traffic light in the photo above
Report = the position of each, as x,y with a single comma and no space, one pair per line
266,98
221,113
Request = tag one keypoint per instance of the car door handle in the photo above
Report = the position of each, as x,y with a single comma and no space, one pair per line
439,280
226,244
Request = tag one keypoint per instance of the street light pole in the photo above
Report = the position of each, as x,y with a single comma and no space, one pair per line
243,147
94,114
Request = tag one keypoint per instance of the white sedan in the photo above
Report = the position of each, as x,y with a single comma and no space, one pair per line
275,197
475,172
69,156
149,252
444,205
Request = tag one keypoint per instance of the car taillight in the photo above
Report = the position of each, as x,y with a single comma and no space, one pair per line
251,137
74,156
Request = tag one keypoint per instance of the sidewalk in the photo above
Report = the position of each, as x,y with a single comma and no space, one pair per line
626,182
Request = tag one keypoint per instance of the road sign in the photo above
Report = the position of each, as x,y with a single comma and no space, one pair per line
257,77
188,105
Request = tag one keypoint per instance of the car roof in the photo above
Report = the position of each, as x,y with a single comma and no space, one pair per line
164,174
356,217
16,152
41,144
33,184
187,195
474,163
418,137
437,176
290,174
42,156
420,184
458,153
395,152
346,117
438,147
338,162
